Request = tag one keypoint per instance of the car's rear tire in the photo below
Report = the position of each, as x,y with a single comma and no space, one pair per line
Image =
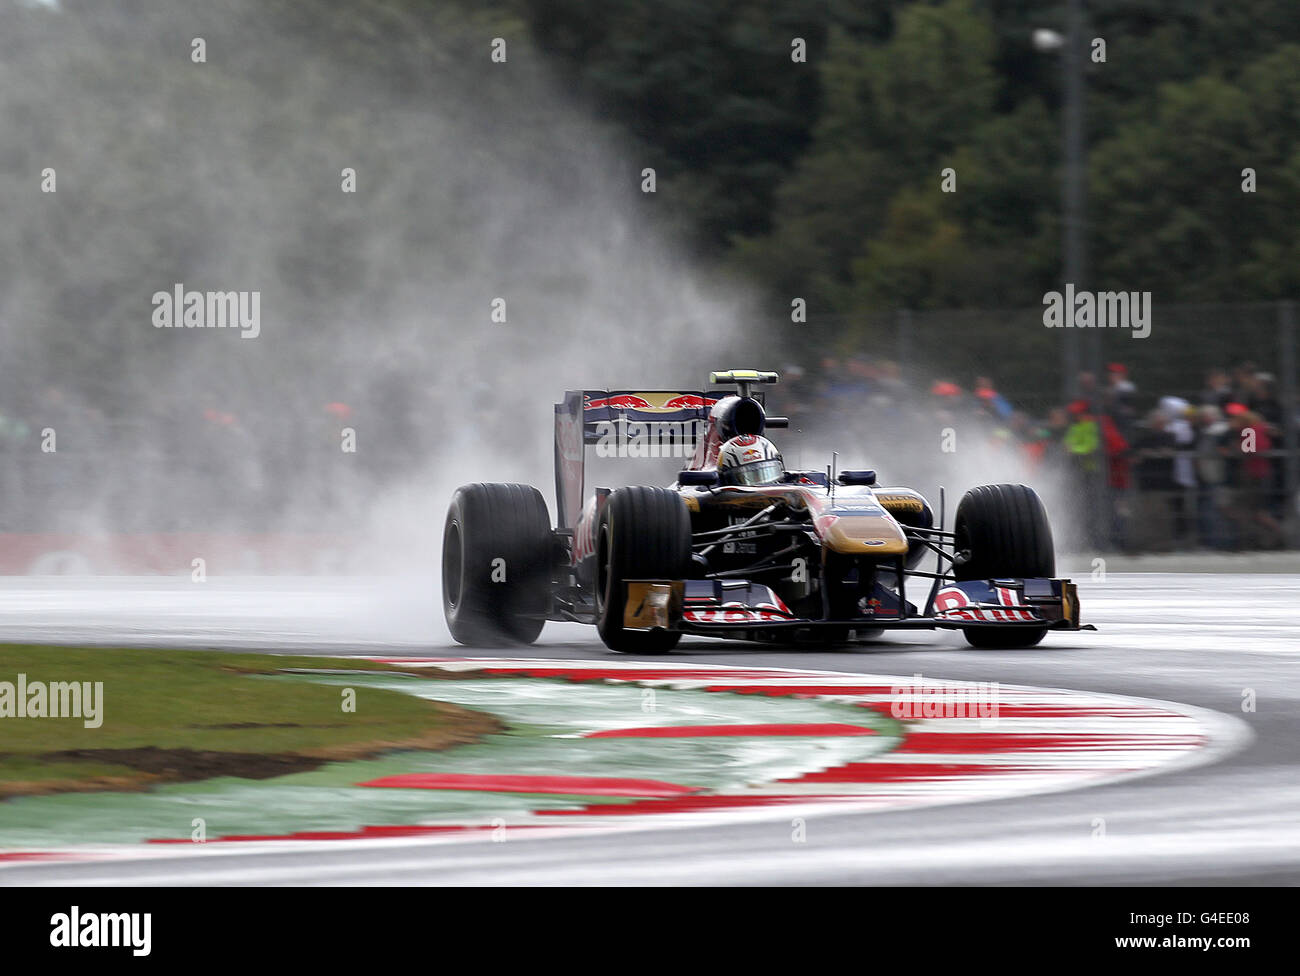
496,564
642,533
1005,530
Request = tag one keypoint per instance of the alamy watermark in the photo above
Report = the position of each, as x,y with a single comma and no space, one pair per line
925,699
649,439
75,929
1098,310
181,309
53,699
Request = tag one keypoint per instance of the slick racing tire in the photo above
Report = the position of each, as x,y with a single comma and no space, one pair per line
496,564
642,533
1006,532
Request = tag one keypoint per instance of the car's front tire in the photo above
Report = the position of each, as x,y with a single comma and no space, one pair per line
496,564
1005,530
642,533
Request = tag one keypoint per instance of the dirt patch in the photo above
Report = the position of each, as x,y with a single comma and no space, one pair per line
361,666
266,725
180,765
150,766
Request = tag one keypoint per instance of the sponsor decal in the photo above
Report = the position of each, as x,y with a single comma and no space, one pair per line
857,508
568,433
954,603
688,401
649,402
737,544
622,402
584,543
766,606
732,616
901,503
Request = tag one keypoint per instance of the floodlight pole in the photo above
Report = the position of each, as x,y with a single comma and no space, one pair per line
1075,190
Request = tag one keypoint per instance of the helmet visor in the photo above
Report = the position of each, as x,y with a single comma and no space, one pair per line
757,472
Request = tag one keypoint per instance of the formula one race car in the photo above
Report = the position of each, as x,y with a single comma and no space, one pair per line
738,547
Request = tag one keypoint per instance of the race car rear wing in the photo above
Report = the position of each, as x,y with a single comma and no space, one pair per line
601,408
622,423
647,424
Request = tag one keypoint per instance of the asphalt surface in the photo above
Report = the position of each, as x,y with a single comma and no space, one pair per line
1210,641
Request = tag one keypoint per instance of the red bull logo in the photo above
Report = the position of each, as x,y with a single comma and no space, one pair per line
624,401
657,402
688,401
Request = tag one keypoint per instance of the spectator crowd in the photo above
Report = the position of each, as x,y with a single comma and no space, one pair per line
1200,469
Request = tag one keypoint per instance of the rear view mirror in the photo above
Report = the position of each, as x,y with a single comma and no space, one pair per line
862,476
697,477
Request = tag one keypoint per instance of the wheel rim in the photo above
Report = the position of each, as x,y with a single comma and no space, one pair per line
453,577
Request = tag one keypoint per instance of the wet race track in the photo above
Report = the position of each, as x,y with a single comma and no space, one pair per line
1204,641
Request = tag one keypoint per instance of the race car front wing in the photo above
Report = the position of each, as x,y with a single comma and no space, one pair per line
740,608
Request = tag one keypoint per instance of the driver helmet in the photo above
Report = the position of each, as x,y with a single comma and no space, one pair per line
749,460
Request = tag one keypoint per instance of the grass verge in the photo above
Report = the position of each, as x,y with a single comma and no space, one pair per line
175,716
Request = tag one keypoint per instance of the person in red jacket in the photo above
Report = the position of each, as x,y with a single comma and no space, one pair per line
1255,476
